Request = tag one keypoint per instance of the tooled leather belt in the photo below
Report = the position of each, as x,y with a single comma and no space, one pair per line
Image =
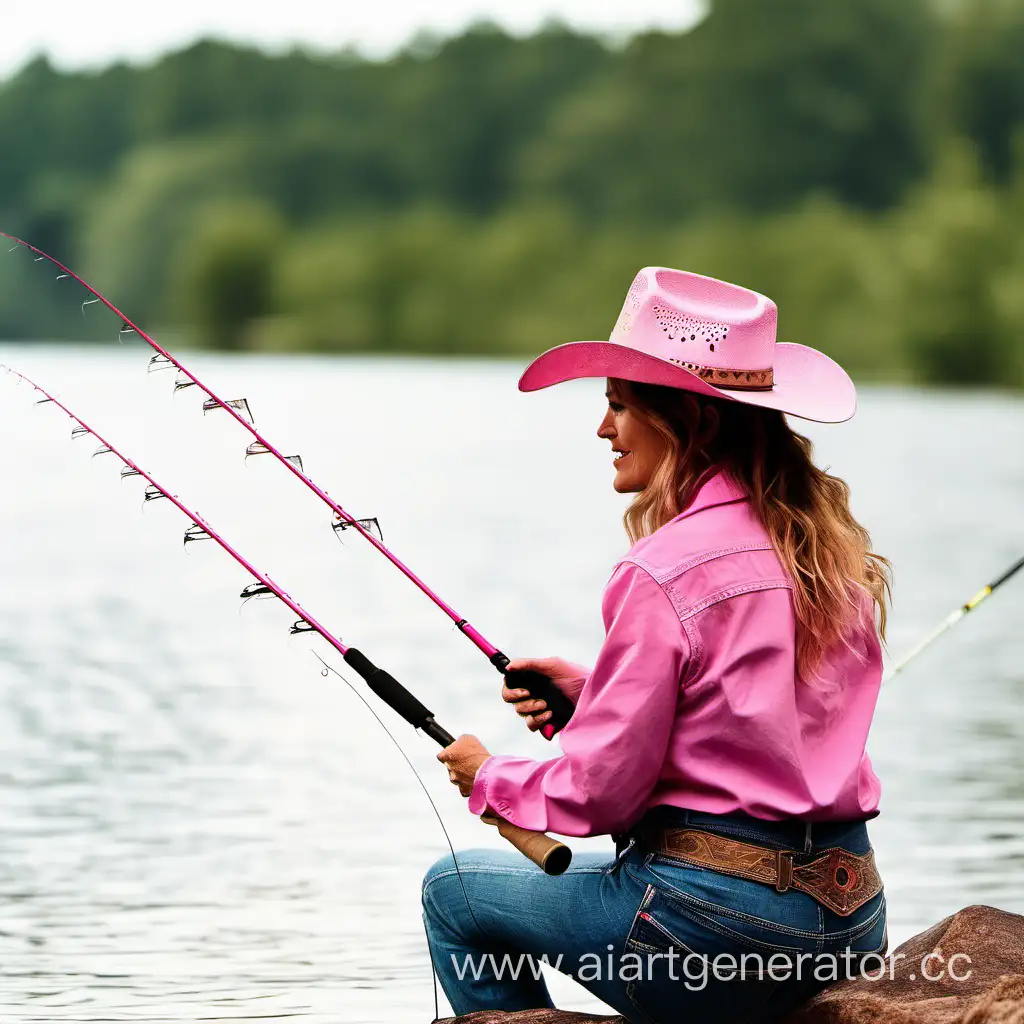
836,878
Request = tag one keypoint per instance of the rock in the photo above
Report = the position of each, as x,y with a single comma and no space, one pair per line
532,1017
992,994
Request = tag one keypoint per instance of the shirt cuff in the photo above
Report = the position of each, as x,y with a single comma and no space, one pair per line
478,797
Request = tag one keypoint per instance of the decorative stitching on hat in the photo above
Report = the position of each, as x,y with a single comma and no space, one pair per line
728,379
688,328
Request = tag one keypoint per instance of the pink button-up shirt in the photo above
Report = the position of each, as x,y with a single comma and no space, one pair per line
693,700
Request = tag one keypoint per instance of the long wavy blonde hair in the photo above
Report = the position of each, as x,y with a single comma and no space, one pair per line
806,511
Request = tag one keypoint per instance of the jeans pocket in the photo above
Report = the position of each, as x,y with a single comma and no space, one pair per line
686,970
871,932
866,942
852,951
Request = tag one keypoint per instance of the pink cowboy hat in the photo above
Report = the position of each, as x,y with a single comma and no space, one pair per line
708,336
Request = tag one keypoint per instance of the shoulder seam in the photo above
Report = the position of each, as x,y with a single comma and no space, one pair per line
677,569
683,626
779,583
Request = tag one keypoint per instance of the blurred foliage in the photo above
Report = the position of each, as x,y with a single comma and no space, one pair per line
858,160
226,274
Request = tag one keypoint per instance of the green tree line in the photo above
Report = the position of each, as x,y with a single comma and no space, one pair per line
861,161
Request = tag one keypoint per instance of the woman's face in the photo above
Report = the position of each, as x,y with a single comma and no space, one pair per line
638,447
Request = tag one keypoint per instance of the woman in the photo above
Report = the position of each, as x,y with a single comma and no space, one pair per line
720,735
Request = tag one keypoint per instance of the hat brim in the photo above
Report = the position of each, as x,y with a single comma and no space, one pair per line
808,383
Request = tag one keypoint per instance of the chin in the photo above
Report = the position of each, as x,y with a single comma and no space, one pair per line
627,486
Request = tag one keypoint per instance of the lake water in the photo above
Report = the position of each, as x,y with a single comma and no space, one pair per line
197,825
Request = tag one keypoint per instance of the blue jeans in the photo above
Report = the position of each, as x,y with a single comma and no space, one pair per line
660,941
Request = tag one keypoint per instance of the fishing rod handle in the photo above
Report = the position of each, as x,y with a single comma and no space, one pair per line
539,687
551,856
548,854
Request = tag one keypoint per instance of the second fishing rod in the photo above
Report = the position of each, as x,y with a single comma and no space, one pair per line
539,686
549,854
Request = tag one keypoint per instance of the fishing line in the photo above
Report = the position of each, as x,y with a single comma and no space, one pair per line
369,529
556,857
548,854
537,684
551,856
437,814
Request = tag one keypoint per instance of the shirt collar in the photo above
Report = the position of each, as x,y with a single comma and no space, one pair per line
718,488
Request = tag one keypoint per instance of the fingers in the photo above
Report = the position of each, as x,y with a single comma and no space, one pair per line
455,751
542,665
513,696
525,704
463,758
464,788
532,710
530,707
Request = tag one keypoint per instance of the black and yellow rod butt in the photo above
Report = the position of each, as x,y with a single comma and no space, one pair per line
548,854
954,617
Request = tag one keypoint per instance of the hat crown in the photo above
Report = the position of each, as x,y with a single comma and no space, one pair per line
697,321
708,337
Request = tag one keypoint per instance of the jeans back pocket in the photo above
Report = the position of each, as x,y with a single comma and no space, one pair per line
685,970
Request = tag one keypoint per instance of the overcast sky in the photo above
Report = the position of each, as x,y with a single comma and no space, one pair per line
77,33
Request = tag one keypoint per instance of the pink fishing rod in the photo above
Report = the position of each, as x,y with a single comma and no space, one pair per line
549,854
538,685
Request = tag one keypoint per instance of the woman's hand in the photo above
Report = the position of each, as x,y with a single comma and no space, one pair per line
463,758
569,678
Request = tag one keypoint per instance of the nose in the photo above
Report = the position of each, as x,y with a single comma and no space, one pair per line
606,428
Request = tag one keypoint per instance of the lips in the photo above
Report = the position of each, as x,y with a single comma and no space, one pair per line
620,453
